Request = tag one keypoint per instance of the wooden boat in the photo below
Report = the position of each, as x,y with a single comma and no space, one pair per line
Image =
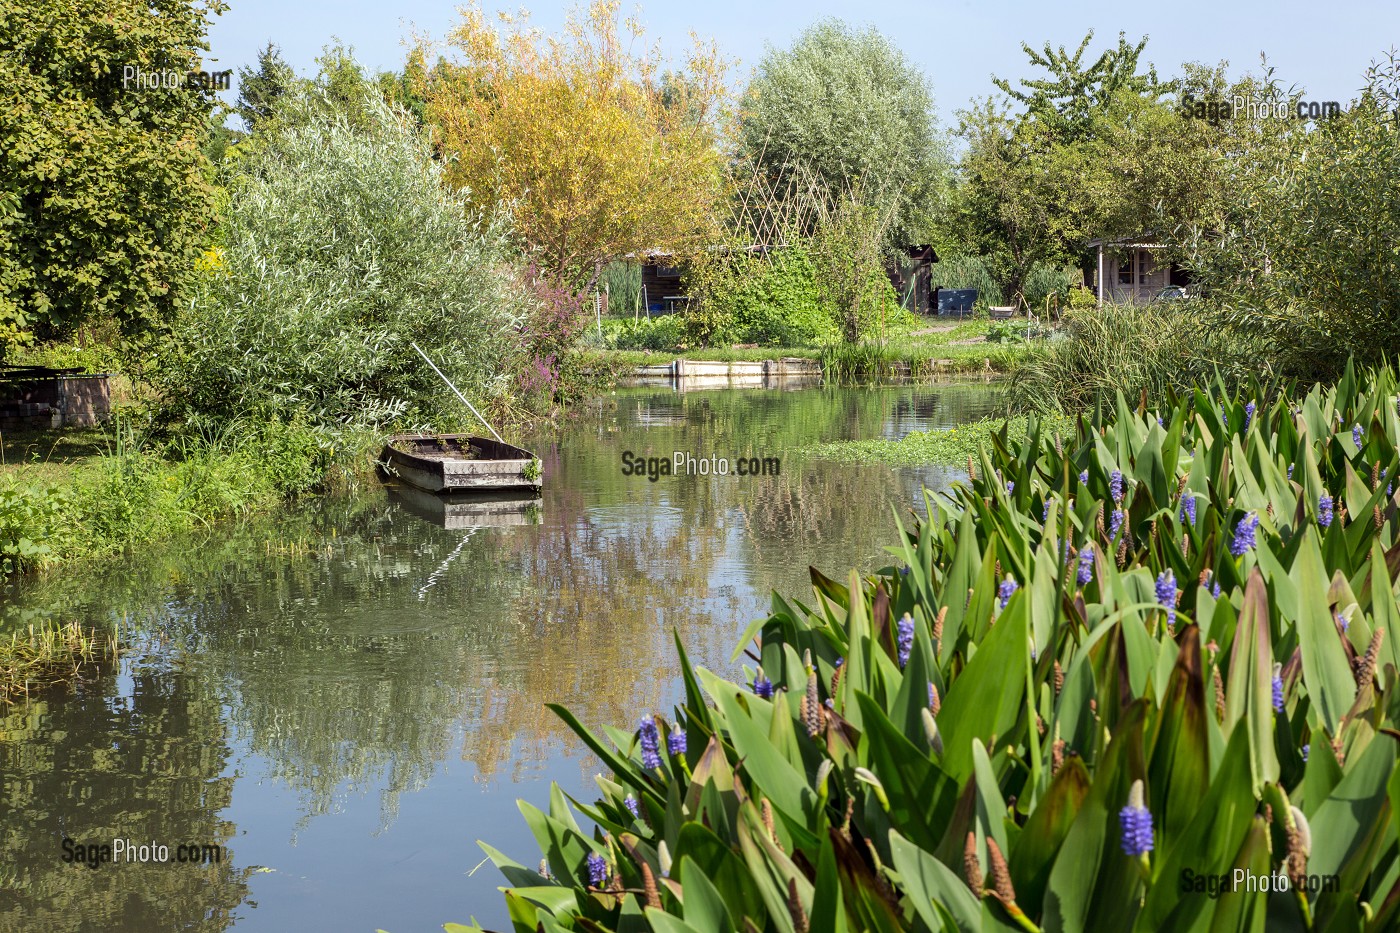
457,463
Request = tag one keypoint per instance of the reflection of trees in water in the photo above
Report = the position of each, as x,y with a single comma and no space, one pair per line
145,763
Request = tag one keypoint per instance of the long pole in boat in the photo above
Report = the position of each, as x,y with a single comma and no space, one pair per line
459,394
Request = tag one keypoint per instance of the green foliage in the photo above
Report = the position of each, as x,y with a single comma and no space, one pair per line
260,89
104,203
664,332
1047,286
849,107
951,744
144,488
968,271
1300,251
343,247
771,300
1132,349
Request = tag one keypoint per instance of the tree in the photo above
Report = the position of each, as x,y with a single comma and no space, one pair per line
1300,249
593,149
260,89
342,247
103,198
851,108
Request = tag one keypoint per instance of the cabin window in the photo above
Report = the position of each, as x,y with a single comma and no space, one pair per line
1125,269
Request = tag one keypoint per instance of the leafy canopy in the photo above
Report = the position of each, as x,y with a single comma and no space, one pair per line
849,107
103,197
596,151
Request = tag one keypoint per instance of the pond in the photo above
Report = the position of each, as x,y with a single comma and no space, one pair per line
346,696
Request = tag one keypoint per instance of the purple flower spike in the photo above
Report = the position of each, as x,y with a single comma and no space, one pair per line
632,806
1356,435
1086,565
1083,477
597,870
1188,510
646,731
1305,754
1115,524
1136,822
1010,487
1290,471
762,686
905,629
1004,591
1244,538
1343,621
1278,688
1215,588
1166,595
1324,510
1248,415
675,741
1115,485
1045,512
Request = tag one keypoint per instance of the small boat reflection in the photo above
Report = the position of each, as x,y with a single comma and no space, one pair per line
464,512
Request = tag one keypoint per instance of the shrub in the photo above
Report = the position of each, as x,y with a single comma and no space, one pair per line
342,248
1045,717
1131,349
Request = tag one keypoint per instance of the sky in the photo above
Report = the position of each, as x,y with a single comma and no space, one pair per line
1323,48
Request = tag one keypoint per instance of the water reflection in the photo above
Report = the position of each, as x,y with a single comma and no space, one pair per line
358,686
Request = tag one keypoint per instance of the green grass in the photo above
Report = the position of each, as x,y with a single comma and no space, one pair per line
922,345
953,445
75,496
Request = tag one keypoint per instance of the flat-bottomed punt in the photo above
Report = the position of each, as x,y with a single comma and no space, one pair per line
457,463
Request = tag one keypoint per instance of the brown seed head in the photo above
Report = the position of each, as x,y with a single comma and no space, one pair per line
938,623
972,868
1001,875
1219,693
1059,677
795,908
935,702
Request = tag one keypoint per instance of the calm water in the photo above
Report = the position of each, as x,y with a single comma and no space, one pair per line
348,695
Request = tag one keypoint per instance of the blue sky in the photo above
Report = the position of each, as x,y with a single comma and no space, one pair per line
1321,47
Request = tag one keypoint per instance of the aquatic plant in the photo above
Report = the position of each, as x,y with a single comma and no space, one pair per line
1060,761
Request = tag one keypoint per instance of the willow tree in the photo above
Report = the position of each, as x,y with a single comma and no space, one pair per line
597,151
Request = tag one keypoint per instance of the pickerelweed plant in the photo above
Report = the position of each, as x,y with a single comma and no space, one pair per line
1102,746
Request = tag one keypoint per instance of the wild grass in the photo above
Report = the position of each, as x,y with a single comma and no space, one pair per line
140,486
1134,349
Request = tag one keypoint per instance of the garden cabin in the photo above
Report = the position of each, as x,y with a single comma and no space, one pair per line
1133,270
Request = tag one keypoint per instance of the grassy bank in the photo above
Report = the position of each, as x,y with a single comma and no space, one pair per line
65,497
912,346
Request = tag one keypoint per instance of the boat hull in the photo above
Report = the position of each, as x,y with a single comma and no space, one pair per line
458,463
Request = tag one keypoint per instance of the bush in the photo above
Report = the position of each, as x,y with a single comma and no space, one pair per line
1047,286
343,247
1045,717
1131,349
657,333
771,300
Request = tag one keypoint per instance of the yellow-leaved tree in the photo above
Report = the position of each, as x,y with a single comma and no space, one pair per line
595,147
